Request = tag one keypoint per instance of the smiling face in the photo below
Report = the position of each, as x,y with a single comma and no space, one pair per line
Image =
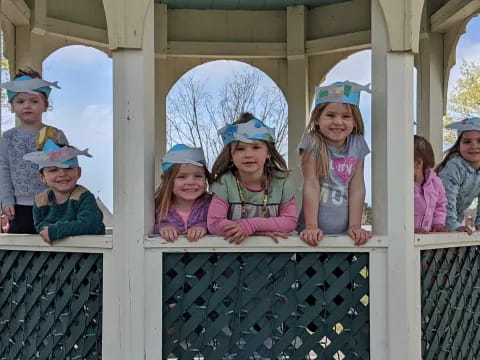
190,182
61,180
336,122
29,108
469,147
249,158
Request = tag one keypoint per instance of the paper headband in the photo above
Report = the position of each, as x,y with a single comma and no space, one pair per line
247,132
28,85
345,92
182,154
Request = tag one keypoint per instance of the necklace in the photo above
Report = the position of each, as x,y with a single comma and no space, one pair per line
242,200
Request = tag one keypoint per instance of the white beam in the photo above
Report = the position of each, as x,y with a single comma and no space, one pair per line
356,41
16,11
453,12
82,34
226,49
39,20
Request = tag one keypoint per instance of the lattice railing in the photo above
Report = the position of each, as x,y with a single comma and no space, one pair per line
50,305
451,303
265,306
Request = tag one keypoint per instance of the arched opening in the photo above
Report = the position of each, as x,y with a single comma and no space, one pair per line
213,94
357,68
83,110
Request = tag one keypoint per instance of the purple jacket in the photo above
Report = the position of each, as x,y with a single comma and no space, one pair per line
430,202
197,217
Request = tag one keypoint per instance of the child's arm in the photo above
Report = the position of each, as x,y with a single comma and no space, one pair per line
311,200
451,176
89,220
356,199
7,193
440,211
217,216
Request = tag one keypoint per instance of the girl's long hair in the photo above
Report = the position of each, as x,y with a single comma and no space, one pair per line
317,142
422,149
164,192
273,166
454,150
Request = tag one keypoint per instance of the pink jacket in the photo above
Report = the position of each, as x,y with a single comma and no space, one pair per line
430,202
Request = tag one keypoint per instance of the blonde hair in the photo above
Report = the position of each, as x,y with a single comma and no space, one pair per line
164,192
224,163
317,142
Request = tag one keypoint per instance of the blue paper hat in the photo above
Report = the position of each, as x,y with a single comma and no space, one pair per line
182,154
247,132
467,124
54,155
345,92
28,85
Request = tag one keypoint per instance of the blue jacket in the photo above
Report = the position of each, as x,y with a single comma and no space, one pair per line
462,186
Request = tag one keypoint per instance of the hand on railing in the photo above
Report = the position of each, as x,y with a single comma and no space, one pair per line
45,236
466,229
359,235
311,235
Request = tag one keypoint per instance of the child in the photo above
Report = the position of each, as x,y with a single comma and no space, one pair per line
65,209
332,152
19,183
459,173
181,200
252,191
429,194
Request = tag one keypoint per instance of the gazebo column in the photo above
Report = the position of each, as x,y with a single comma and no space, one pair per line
297,94
134,136
392,183
430,83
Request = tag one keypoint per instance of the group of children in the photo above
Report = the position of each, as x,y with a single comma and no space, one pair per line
249,191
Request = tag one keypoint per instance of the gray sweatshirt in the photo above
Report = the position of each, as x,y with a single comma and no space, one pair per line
19,181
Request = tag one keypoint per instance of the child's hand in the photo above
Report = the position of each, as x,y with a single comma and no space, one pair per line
311,236
359,235
477,227
466,229
234,233
45,237
439,228
169,233
274,235
9,211
195,233
421,231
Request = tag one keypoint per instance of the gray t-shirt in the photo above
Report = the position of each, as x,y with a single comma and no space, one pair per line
19,181
333,206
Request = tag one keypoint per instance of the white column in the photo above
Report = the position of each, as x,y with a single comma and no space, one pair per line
134,151
297,95
392,161
430,87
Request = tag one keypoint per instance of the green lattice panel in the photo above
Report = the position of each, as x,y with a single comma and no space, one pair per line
265,306
50,305
451,304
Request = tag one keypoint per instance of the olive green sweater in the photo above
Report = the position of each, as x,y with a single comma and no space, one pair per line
79,215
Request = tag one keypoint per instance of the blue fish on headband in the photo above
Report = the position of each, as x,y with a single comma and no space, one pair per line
470,123
345,92
247,132
29,85
182,154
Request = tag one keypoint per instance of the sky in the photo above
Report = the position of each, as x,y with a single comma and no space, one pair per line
83,107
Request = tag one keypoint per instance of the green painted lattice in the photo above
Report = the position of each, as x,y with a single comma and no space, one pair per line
50,305
265,306
451,304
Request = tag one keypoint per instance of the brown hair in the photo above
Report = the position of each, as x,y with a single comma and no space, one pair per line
317,141
454,150
276,164
28,71
422,150
164,192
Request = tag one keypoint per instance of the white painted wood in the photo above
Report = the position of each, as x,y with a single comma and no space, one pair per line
111,309
153,304
453,12
378,282
16,11
161,30
87,243
161,92
82,34
446,240
219,50
356,41
133,113
265,244
39,17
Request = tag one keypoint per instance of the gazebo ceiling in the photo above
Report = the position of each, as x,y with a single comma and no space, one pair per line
244,4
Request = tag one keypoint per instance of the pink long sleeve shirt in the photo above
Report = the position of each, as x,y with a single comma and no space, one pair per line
430,202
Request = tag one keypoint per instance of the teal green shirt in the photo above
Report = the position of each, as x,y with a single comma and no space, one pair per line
79,215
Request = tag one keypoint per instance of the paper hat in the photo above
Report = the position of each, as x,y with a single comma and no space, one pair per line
29,85
182,154
54,155
345,92
470,123
247,132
